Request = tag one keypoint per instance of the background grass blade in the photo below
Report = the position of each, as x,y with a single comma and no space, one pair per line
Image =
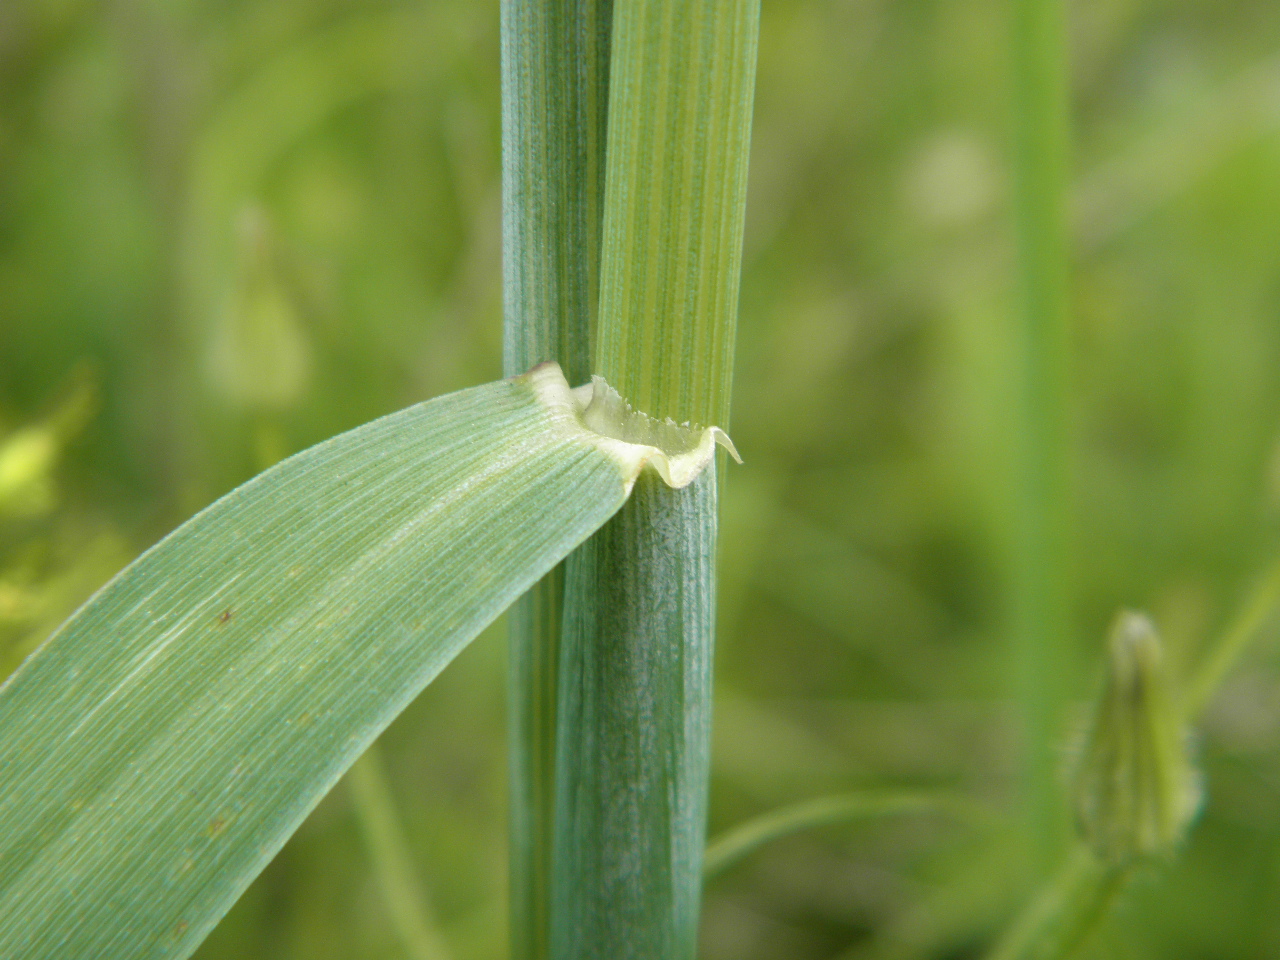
1066,912
1041,572
159,749
555,67
402,894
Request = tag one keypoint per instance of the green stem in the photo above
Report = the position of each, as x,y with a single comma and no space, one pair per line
741,841
555,64
1042,593
1253,616
679,129
635,689
634,746
388,848
1067,912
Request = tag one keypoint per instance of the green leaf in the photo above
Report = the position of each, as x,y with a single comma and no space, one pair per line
164,744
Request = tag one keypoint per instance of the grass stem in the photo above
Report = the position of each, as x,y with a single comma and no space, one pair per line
681,93
555,67
634,746
633,751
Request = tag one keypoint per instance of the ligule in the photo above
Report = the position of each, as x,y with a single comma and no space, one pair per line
677,453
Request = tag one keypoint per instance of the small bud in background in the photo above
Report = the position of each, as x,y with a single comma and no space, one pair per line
1135,790
259,356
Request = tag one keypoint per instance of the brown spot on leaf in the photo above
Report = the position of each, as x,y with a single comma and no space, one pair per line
226,615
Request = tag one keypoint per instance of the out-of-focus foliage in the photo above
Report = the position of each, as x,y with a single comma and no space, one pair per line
1133,790
51,560
257,223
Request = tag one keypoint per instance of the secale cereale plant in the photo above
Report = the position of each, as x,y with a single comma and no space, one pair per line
159,750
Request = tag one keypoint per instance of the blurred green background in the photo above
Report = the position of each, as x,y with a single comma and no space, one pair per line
231,229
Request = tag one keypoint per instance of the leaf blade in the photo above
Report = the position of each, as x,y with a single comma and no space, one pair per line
257,650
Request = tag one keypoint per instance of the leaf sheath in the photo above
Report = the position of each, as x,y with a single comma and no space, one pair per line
635,710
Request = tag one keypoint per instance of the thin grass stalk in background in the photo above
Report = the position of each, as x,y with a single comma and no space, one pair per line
402,894
635,685
1042,592
741,841
555,66
1067,911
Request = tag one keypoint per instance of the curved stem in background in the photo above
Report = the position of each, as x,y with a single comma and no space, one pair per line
741,841
1067,911
1258,609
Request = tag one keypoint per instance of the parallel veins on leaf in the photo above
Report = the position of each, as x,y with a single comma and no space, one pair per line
165,742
